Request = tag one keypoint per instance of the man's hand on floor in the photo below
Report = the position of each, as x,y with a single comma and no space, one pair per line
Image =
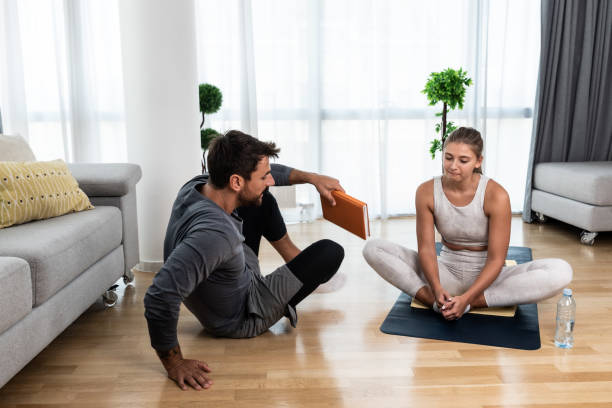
192,372
184,371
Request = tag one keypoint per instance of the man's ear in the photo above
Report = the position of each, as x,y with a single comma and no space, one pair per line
236,182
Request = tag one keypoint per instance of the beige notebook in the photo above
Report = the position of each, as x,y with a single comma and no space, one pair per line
508,311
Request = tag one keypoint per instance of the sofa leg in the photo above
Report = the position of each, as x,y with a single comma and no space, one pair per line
587,237
110,296
541,217
128,277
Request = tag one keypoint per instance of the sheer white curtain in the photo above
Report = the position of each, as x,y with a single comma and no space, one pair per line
337,84
60,78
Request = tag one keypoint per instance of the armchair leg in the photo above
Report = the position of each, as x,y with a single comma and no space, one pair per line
128,277
110,296
588,238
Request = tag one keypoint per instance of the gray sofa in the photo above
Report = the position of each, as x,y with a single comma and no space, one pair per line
52,270
578,193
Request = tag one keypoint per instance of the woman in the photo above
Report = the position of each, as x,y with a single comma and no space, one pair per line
472,214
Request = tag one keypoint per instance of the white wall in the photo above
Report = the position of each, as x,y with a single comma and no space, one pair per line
158,40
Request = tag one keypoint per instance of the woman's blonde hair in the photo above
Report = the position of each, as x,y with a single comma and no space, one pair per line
470,137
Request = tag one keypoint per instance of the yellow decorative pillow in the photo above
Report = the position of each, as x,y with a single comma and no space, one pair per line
38,190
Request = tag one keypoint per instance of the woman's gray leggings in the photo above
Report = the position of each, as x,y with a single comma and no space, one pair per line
520,284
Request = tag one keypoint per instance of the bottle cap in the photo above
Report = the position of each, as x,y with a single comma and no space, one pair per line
567,292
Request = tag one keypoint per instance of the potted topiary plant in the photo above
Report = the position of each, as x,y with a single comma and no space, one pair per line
210,102
449,88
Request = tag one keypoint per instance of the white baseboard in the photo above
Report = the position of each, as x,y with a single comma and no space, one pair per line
148,266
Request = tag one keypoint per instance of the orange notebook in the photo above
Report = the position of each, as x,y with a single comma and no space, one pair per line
348,213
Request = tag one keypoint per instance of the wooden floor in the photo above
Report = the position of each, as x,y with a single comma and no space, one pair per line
337,356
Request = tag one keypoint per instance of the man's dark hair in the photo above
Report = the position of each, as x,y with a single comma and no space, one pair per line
236,153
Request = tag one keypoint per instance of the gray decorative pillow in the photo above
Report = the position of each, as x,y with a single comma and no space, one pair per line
15,148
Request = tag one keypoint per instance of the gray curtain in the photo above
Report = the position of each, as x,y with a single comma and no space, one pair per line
573,110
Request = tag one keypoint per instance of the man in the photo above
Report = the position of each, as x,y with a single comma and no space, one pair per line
213,268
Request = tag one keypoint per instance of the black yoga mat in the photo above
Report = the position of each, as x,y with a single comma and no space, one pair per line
520,331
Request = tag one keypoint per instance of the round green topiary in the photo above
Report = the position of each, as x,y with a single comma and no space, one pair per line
210,98
448,87
206,136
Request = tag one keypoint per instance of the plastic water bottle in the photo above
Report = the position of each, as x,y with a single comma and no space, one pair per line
566,314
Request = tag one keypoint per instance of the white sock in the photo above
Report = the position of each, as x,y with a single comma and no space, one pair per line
334,284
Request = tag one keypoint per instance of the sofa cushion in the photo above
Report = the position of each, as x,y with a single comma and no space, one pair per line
587,182
15,148
61,248
38,190
16,293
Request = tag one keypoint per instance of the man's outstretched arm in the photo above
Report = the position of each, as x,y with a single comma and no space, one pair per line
284,176
183,371
186,267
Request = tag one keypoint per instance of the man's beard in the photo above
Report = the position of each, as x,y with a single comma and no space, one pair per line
246,201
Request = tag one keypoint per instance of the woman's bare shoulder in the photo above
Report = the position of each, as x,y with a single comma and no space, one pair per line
426,187
496,193
424,194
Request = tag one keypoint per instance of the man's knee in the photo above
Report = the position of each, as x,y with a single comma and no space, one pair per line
334,254
329,250
318,262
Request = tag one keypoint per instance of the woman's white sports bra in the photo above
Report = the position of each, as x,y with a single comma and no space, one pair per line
467,225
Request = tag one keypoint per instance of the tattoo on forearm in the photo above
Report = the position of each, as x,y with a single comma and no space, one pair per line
170,355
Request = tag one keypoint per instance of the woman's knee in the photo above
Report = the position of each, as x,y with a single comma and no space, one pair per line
560,271
372,250
377,250
566,273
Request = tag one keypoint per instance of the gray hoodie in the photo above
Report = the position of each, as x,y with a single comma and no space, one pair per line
204,266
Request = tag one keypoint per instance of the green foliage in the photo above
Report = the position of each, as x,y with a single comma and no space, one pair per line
448,87
206,136
210,102
210,98
436,145
450,126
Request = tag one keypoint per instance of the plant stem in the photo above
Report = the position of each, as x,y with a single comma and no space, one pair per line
202,124
443,123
